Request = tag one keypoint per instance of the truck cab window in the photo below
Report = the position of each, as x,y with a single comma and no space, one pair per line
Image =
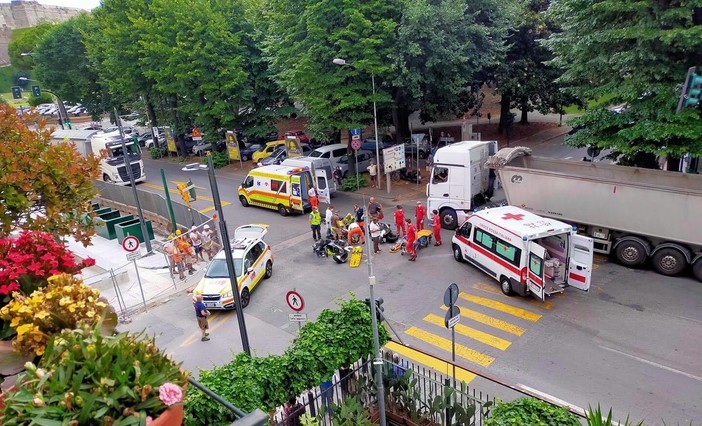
440,175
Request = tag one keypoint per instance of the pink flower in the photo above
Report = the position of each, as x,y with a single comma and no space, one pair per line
170,394
149,420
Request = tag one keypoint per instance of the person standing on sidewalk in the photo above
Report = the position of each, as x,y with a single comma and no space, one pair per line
436,227
400,221
170,250
419,213
373,171
374,229
201,313
411,236
186,251
316,224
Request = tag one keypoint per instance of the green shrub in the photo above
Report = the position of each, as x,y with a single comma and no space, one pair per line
336,338
157,152
530,411
354,183
219,159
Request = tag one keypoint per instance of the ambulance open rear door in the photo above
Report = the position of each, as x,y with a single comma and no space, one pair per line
323,186
581,253
535,271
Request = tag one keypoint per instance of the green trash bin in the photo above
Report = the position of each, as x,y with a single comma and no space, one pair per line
106,228
109,215
102,211
133,227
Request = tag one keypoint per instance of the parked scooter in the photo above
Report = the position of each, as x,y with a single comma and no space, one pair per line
405,174
386,233
337,249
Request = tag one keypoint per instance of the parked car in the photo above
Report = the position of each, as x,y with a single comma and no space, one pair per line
280,154
348,163
418,142
247,152
203,147
299,134
267,150
332,152
369,144
268,137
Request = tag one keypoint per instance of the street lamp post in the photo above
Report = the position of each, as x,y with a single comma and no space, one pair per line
63,115
342,62
226,246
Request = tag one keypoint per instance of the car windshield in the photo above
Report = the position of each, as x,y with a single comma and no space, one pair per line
316,153
344,159
255,147
218,268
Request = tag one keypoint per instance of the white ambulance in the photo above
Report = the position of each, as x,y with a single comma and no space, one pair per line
526,253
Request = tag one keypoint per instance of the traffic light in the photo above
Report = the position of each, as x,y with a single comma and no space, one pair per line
16,92
36,91
184,193
378,307
191,189
691,91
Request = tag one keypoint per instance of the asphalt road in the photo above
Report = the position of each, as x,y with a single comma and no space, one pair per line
631,343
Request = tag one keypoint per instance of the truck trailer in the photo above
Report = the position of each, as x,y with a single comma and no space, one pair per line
112,167
637,214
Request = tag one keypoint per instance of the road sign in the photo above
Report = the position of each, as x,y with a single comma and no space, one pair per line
356,143
297,317
295,301
394,158
451,295
453,317
197,134
134,255
130,244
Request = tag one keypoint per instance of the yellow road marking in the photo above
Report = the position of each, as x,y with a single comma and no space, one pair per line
210,208
474,334
445,344
437,364
175,191
193,337
495,289
503,307
492,322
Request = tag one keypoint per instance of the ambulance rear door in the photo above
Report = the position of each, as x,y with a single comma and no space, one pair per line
535,270
580,257
323,186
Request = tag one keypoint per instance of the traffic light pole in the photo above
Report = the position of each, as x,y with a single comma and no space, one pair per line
377,361
128,166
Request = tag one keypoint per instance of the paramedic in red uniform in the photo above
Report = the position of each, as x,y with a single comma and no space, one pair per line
400,221
436,227
419,213
411,236
314,201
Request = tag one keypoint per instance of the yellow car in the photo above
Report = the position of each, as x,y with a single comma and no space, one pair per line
267,150
253,261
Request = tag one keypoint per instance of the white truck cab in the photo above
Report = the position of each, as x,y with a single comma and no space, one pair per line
524,252
459,180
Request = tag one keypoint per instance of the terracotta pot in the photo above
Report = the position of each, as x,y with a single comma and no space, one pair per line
173,416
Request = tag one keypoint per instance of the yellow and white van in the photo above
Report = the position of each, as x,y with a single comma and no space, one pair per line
281,188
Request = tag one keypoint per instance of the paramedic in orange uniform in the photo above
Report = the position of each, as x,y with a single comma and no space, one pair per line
419,213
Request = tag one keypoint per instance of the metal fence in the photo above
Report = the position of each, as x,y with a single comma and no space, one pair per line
150,202
411,391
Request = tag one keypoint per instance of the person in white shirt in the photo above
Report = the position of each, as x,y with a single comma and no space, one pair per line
373,171
375,234
314,201
328,219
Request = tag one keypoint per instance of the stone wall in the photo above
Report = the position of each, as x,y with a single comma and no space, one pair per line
28,13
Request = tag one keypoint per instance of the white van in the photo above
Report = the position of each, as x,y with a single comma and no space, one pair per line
333,152
321,170
526,253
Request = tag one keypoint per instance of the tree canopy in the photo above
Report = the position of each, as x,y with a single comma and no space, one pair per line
637,54
43,186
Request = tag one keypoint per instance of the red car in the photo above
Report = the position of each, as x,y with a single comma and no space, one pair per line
299,134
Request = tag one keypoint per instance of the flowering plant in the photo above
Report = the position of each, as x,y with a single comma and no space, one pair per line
86,377
64,303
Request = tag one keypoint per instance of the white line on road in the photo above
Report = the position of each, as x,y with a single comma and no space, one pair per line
567,158
655,364
553,399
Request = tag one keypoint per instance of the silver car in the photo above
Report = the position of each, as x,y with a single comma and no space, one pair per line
364,159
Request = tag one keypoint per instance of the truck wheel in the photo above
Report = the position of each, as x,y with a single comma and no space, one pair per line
506,286
244,201
669,261
631,253
282,210
106,178
449,220
697,269
457,255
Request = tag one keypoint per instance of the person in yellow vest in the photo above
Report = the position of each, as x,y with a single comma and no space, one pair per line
316,224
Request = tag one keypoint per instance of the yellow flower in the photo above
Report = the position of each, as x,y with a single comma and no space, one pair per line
40,315
65,300
24,328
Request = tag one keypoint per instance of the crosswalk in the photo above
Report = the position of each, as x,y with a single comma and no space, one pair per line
174,191
490,323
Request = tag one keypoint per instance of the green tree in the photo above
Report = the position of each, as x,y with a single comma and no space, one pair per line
637,53
61,64
25,40
442,47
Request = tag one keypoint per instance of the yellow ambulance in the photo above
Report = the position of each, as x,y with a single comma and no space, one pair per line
281,188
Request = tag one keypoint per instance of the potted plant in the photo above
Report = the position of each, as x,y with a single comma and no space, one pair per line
85,377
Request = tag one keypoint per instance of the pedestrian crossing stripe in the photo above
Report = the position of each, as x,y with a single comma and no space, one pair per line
445,344
472,333
434,363
490,321
502,307
495,289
